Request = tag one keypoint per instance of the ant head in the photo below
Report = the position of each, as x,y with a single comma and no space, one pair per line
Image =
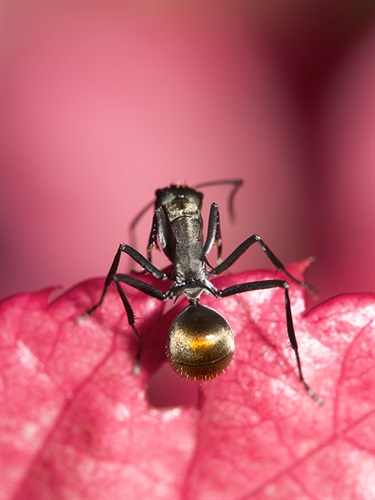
201,343
178,196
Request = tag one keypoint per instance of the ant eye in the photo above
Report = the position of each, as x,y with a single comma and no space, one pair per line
201,343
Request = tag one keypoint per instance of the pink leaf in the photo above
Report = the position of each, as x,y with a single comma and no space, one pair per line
77,423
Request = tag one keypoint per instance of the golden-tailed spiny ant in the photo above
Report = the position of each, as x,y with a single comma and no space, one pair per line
200,344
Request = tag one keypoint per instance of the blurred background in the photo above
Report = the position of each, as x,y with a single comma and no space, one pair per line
102,103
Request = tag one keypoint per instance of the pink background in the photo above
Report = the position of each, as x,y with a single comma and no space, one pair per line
104,103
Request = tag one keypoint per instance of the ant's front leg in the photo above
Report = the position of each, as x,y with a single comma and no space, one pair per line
213,232
267,284
153,238
255,238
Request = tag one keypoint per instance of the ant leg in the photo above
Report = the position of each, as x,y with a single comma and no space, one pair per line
160,235
135,221
255,238
153,238
131,321
138,285
142,287
263,285
213,232
137,257
159,229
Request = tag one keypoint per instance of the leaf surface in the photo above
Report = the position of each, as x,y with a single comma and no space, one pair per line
77,423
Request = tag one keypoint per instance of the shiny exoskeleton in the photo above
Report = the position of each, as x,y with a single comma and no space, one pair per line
201,343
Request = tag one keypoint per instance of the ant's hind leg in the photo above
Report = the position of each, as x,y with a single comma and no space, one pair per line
131,321
137,257
267,284
138,285
142,287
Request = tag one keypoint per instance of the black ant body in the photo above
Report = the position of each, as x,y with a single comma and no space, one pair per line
201,343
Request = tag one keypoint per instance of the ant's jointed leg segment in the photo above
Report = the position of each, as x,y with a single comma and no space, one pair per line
267,284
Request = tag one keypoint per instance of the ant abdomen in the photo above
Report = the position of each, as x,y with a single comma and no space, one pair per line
200,344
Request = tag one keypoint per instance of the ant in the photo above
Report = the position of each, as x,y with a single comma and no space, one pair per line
201,343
